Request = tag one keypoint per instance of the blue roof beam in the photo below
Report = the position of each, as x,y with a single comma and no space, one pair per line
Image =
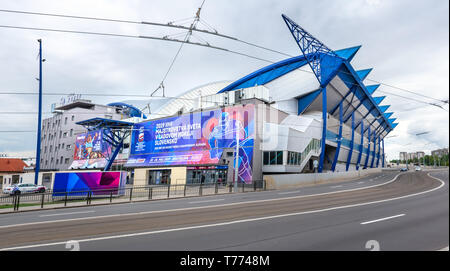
362,74
371,89
378,100
348,53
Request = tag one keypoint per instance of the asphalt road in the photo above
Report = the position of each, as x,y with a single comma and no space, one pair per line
407,211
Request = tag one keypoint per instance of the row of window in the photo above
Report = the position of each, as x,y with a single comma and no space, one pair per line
57,123
273,158
61,134
294,158
68,147
58,161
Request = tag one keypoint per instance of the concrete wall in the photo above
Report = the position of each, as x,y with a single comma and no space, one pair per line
177,176
284,181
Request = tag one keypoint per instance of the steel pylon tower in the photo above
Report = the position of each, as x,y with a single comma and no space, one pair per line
322,60
324,63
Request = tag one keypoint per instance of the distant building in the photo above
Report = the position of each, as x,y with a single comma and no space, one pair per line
420,154
403,156
439,152
10,171
59,131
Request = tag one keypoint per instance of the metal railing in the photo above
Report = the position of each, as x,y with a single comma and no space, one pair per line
51,199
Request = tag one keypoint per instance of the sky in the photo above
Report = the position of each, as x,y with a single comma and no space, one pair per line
405,42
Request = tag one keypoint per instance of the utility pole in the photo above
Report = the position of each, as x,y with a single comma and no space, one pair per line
38,143
236,163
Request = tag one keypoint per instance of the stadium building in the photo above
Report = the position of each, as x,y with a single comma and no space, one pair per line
309,113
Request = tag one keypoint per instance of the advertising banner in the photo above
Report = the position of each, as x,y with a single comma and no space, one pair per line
80,183
195,139
90,151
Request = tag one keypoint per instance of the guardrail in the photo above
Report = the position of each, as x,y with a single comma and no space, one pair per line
108,196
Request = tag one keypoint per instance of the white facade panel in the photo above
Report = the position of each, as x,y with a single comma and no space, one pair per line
296,83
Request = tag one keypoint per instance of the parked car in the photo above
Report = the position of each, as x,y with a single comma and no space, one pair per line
418,168
23,188
403,169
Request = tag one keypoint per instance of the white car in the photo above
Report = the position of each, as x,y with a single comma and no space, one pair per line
23,188
418,168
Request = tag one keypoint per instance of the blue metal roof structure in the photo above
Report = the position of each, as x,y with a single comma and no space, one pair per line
100,123
114,132
362,74
132,111
267,74
353,79
326,64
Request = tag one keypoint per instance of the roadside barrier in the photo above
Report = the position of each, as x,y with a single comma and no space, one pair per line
51,199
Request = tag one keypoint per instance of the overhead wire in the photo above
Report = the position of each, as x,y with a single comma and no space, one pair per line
214,32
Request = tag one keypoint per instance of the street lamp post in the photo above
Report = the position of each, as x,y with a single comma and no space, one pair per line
38,143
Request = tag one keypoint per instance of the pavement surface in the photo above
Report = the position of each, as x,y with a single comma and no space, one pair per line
386,211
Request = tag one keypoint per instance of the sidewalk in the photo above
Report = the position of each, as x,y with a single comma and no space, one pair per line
138,197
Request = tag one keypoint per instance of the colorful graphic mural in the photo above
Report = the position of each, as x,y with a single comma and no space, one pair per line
80,183
90,151
195,139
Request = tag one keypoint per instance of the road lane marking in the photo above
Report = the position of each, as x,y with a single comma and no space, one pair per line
337,186
203,201
360,182
196,208
290,192
85,212
381,219
233,222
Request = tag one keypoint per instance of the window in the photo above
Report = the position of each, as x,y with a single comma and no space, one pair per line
73,117
60,134
56,161
51,148
279,157
266,158
68,147
71,132
62,145
66,161
291,158
65,135
65,120
61,159
274,158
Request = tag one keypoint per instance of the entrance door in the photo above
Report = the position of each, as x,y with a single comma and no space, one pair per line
47,180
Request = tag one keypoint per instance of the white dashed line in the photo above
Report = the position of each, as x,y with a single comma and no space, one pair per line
381,219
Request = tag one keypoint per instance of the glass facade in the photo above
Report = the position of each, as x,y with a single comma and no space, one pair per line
273,158
293,158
